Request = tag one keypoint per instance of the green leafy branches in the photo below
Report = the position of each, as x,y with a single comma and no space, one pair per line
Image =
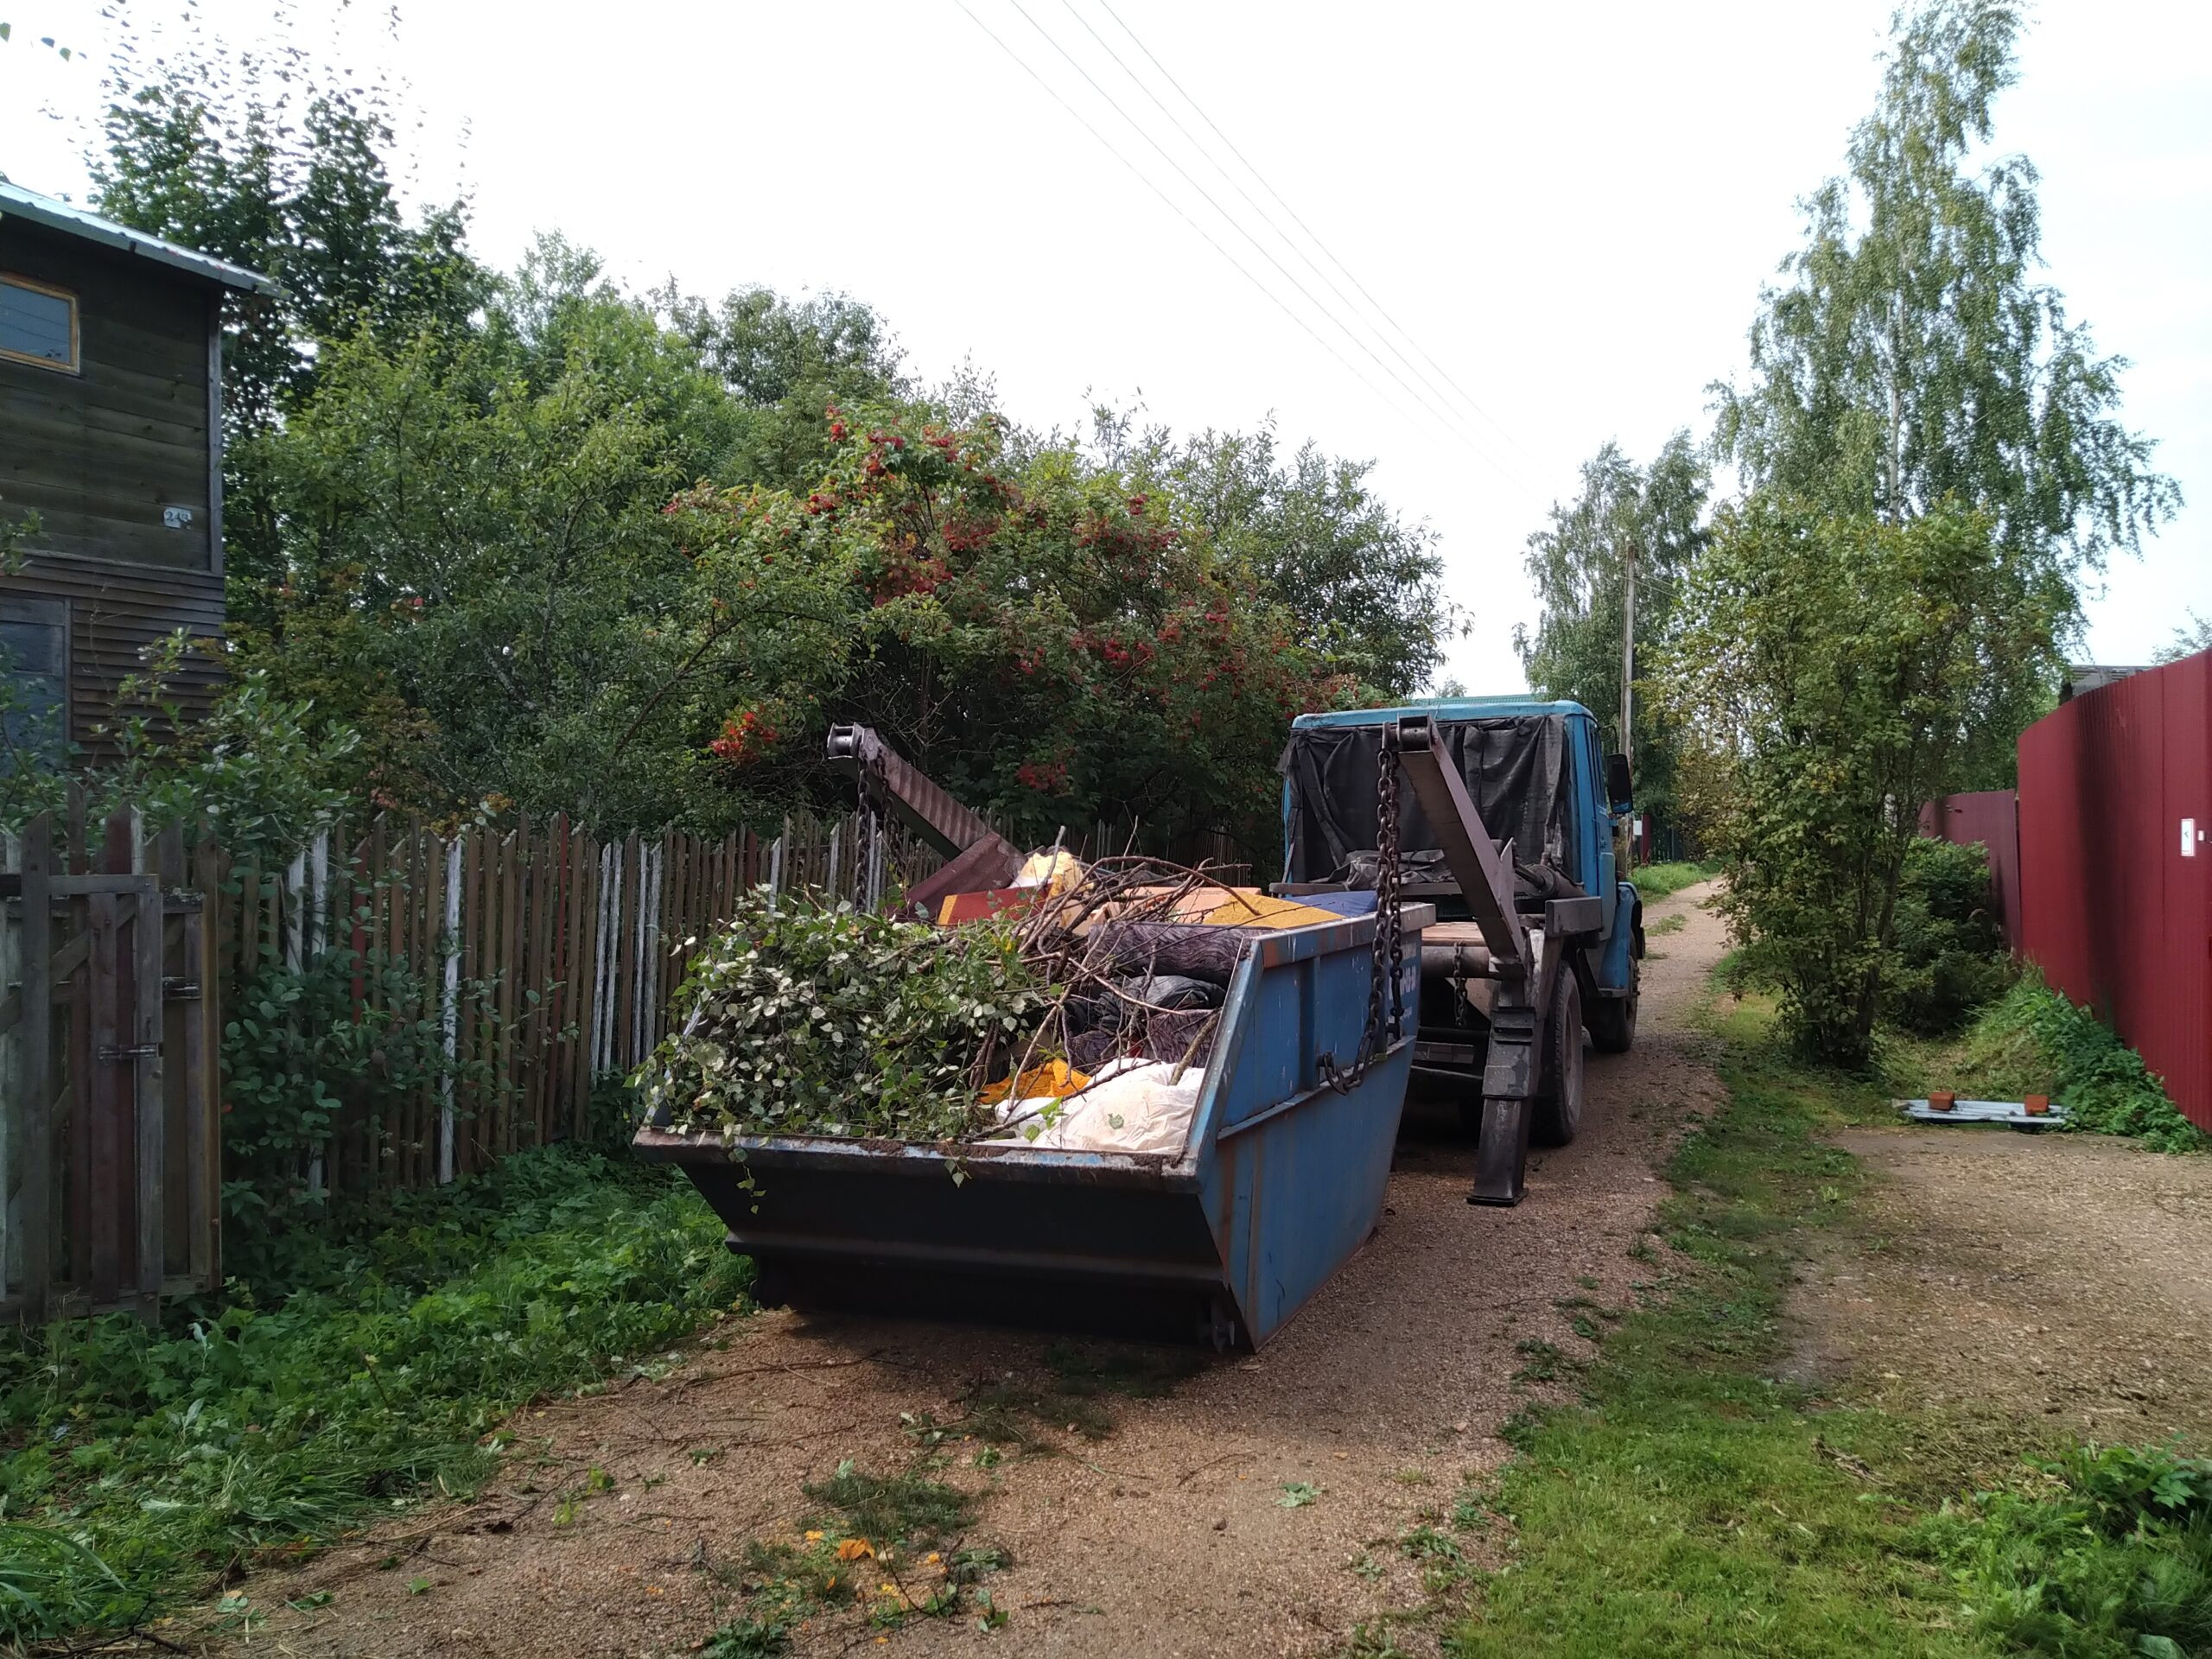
805,1019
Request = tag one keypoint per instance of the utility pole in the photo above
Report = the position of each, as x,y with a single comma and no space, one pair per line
1628,648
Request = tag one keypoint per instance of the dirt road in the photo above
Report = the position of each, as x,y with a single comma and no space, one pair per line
1170,1535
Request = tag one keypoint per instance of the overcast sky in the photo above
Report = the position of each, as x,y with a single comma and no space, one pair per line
1569,209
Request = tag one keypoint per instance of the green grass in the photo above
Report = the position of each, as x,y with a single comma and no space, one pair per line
2032,1040
1691,1504
1658,881
144,1462
1694,1503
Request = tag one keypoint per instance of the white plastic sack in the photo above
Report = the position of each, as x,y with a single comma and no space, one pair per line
1132,1105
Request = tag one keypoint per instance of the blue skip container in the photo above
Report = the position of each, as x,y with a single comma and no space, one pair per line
1281,1178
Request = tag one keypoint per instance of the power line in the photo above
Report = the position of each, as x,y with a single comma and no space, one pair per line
1178,210
1466,396
1445,416
1266,218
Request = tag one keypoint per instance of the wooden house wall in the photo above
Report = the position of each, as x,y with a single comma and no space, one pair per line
99,454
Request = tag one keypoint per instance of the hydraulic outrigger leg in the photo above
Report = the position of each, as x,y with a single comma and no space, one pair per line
1513,1073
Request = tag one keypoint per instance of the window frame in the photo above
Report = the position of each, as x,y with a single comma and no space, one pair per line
50,611
76,363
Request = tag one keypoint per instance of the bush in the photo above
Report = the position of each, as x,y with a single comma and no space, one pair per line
1948,958
2113,1558
2033,1040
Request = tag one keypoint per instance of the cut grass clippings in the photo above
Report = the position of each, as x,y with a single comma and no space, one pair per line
139,1464
1695,1502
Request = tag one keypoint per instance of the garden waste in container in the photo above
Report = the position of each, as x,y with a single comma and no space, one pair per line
1279,1179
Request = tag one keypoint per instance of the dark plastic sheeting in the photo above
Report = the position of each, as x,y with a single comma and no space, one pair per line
1516,768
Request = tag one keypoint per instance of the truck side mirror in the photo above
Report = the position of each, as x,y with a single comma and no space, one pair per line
1620,786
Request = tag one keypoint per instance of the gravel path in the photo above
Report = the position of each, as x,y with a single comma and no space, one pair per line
1168,1537
2063,1275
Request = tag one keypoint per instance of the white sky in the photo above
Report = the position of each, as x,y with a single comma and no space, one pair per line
1571,209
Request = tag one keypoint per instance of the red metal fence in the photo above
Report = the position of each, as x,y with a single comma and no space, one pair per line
1990,817
2115,808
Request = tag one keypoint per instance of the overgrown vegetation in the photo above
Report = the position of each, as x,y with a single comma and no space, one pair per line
141,1464
2109,1557
448,505
1932,458
1844,663
1948,956
2032,1040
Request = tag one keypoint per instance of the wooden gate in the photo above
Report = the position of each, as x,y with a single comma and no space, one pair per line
109,1165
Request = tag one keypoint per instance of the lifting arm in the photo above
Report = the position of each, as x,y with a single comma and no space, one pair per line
1484,873
976,856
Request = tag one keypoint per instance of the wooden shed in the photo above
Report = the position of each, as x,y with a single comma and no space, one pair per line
111,432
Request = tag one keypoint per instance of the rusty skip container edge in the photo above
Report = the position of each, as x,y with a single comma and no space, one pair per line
1281,1178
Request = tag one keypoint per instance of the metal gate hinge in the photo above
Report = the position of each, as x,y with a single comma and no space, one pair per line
129,1051
182,990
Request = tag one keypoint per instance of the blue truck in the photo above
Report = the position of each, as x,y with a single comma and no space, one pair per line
1510,834
1478,960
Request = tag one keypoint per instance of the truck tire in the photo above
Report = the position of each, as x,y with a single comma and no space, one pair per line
1612,1019
1556,1113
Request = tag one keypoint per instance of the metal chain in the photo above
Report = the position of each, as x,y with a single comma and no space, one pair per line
1388,924
1388,939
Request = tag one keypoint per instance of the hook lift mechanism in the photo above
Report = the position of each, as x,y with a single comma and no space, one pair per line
1534,1060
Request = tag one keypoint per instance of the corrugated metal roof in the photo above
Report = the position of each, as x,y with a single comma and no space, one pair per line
17,202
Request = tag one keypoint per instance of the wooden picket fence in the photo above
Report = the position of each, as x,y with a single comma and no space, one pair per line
542,957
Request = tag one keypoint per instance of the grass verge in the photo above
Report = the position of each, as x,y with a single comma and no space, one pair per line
1658,881
140,1467
1695,1500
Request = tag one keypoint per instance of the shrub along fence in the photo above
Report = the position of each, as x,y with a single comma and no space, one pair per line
185,1030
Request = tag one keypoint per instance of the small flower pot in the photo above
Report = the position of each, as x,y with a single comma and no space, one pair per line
2036,1105
1941,1100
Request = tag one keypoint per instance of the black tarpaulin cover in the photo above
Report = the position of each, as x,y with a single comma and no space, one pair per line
1516,769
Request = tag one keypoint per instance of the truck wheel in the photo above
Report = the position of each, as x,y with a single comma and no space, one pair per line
1613,1020
1558,1110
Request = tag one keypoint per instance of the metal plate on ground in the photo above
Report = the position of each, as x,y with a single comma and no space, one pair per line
1986,1111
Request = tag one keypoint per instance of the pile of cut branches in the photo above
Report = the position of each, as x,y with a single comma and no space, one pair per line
805,1019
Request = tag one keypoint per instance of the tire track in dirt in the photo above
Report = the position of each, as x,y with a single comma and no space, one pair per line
1169,1537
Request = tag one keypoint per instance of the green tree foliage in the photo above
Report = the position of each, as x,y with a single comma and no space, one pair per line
1055,644
1579,567
1834,670
475,553
1949,958
783,362
1912,357
452,531
1364,587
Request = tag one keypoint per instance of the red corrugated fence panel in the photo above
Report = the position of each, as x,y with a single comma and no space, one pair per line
1991,817
2115,832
